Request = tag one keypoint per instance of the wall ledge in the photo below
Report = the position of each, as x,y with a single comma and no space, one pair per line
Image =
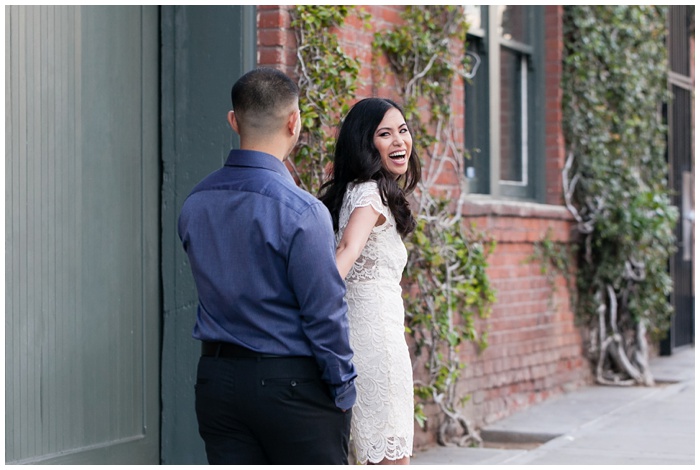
478,206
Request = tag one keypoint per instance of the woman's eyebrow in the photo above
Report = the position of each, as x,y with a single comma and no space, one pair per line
389,128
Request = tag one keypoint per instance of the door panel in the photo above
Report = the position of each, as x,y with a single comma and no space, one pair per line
82,228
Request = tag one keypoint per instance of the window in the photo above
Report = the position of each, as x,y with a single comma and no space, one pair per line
504,112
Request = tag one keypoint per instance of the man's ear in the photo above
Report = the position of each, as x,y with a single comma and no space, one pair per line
233,122
294,122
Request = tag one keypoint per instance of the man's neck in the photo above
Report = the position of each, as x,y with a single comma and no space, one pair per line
275,146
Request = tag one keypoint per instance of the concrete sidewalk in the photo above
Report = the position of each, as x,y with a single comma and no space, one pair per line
595,425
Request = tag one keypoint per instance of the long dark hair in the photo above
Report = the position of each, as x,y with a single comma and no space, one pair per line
357,160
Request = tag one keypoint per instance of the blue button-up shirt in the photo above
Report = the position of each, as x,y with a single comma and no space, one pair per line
262,253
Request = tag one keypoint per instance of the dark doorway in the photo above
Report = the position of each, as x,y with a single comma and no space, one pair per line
681,119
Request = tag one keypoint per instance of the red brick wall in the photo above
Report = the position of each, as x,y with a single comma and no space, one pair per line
534,349
276,40
277,47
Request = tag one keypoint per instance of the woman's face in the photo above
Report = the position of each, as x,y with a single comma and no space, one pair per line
393,141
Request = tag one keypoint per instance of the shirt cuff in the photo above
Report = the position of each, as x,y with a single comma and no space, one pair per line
345,395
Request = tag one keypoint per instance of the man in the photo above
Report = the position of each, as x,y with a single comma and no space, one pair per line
275,380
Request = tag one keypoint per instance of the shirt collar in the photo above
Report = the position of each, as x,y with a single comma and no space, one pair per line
255,159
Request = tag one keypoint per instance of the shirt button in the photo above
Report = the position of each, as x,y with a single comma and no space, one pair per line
294,383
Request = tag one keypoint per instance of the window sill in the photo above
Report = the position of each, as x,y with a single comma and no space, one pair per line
479,206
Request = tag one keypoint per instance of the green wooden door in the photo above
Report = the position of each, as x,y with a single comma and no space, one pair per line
82,306
205,49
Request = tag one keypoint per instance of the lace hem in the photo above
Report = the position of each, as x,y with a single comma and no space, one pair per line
392,448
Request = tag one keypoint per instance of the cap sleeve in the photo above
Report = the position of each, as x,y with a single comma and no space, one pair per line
367,194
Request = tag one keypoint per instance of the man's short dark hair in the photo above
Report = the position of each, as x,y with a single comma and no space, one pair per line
261,97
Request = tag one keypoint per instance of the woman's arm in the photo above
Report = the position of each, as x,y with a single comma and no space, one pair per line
360,225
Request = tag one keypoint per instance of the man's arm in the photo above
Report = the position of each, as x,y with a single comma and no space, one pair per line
320,290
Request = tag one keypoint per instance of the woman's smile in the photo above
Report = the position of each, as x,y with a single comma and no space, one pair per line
393,141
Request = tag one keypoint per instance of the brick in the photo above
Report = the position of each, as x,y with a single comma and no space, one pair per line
272,18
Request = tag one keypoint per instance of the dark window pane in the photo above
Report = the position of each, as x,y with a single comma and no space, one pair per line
511,116
476,125
514,23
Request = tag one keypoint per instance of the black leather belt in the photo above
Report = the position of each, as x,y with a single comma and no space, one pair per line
229,350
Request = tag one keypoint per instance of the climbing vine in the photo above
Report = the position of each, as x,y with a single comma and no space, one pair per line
328,78
615,181
446,269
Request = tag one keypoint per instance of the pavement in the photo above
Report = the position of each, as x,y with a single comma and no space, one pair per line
595,425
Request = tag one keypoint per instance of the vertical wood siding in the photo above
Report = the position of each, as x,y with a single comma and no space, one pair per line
81,221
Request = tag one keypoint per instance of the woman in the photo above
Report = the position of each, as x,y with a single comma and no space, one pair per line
375,167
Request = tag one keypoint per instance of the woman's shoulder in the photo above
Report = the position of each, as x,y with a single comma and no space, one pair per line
366,193
363,187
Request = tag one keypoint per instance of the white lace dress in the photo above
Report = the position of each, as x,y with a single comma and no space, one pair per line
382,418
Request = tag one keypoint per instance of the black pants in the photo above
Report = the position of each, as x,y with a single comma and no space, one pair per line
268,411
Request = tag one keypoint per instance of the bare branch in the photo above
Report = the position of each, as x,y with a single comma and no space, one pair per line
612,308
423,73
634,270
